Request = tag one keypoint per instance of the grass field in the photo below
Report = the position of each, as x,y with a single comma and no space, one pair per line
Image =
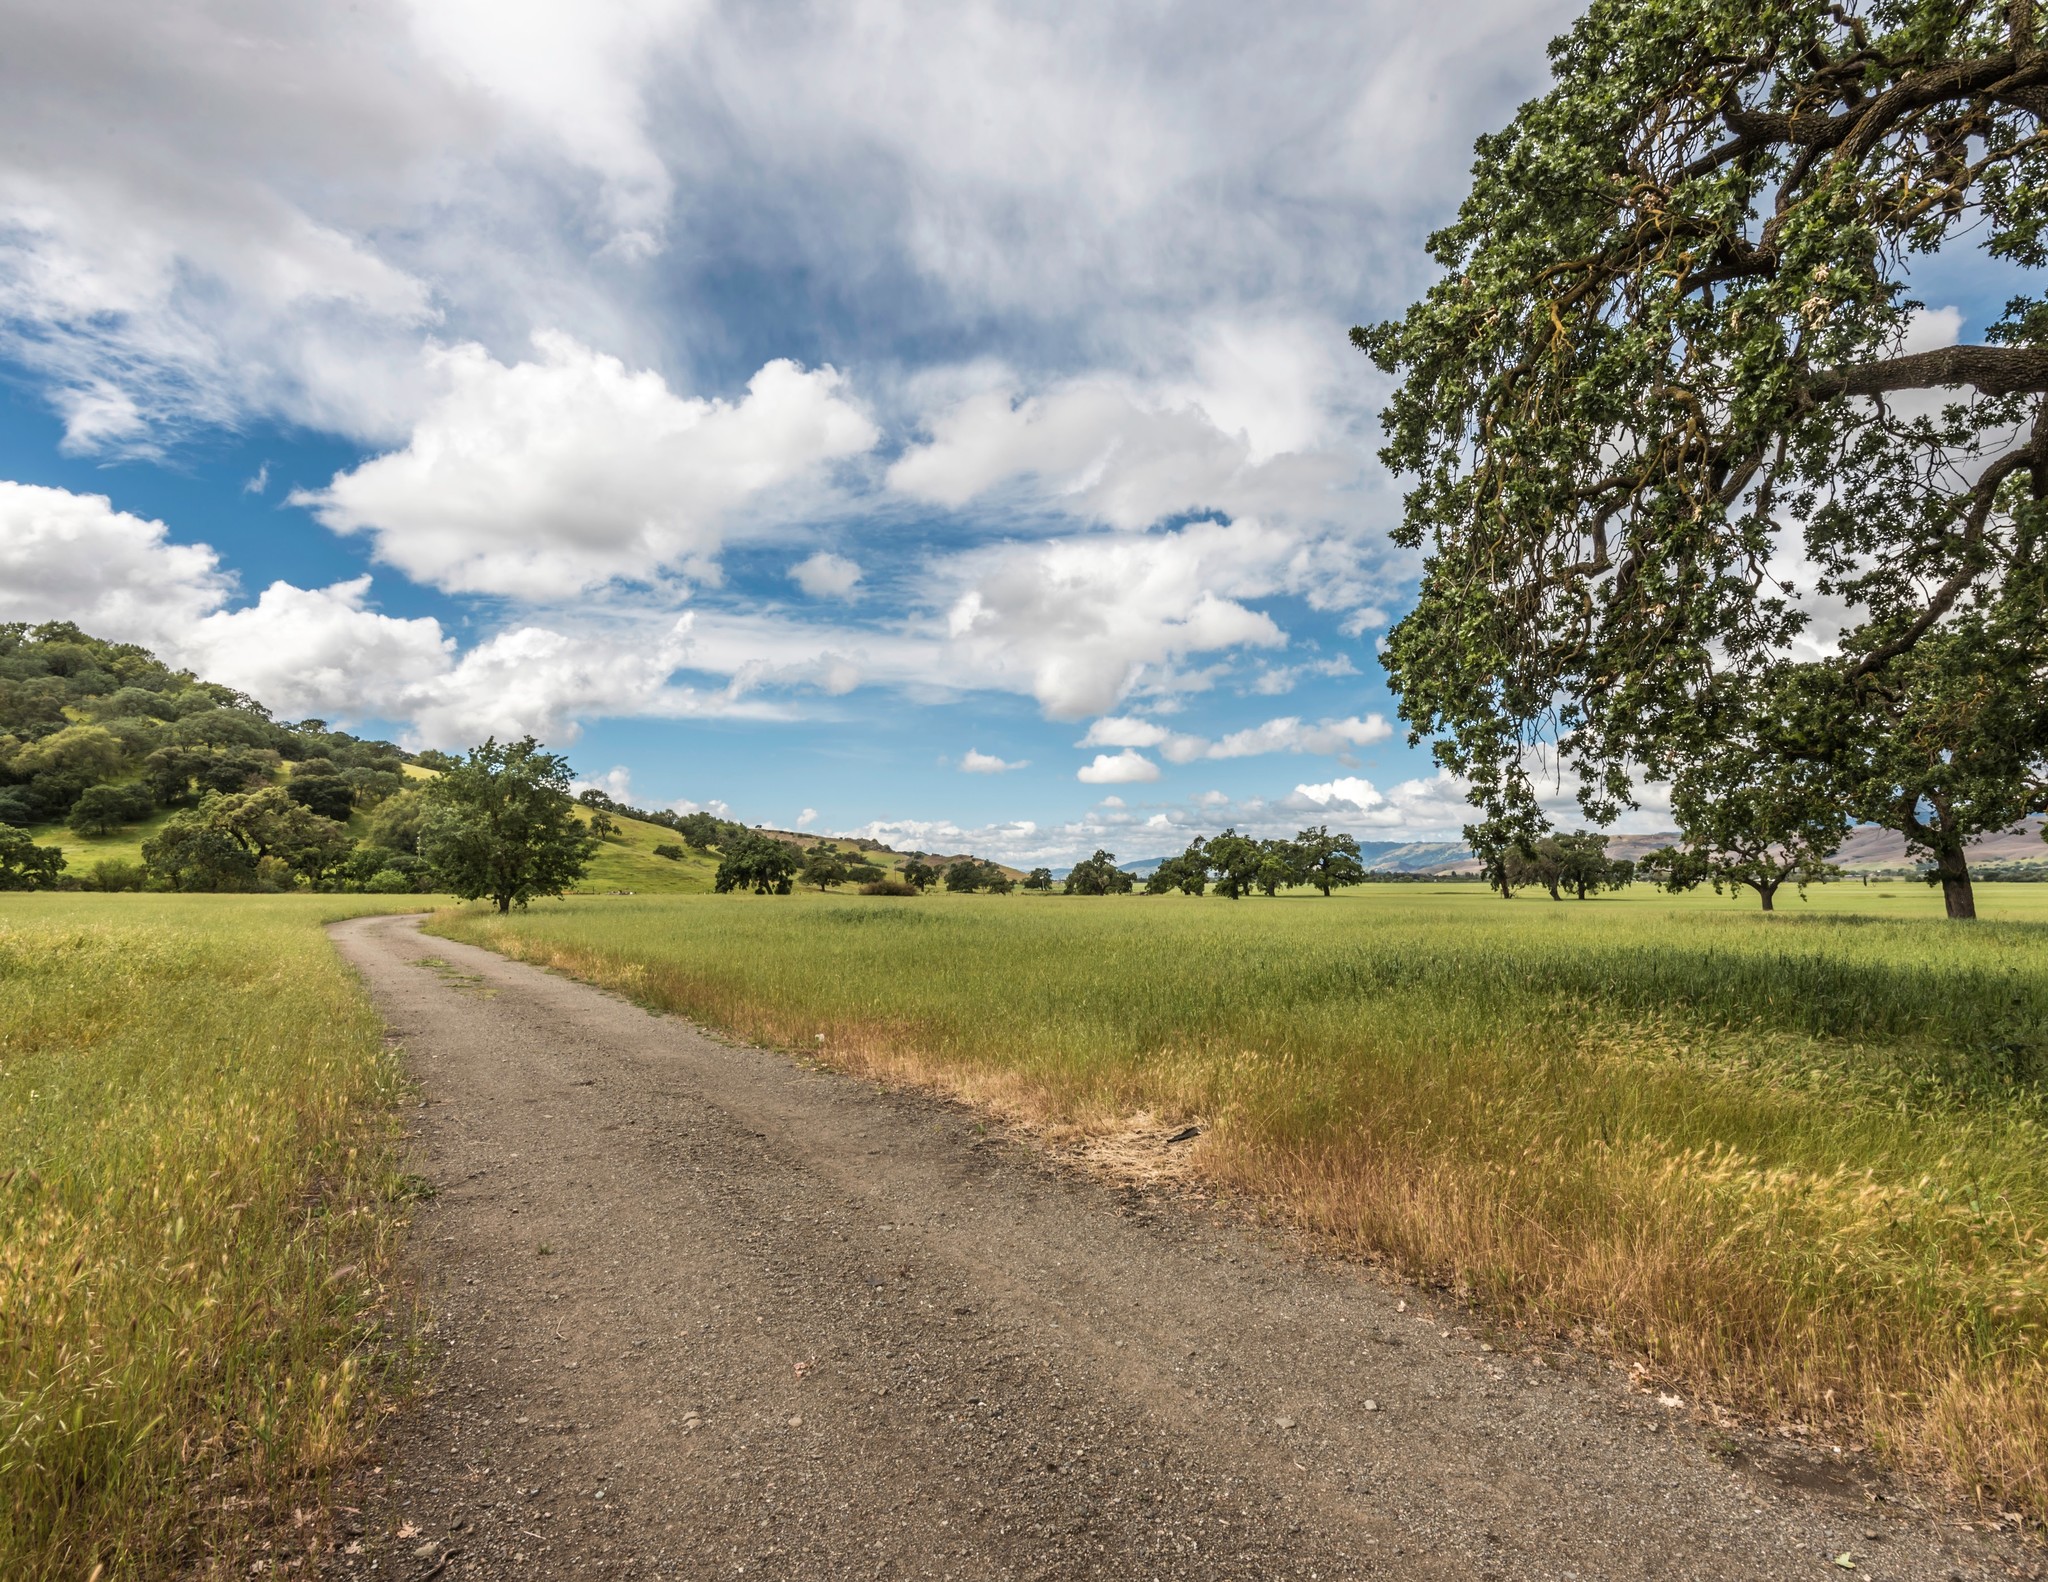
198,1207
1798,1165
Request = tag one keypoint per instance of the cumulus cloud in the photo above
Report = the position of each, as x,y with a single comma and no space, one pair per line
980,763
1079,621
564,473
806,818
1124,768
326,651
1290,735
826,575
320,651
1284,735
73,556
1435,807
616,783
1099,449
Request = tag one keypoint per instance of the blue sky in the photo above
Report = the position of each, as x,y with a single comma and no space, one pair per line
924,420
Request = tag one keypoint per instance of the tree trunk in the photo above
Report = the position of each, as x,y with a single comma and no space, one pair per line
504,903
1768,892
1956,894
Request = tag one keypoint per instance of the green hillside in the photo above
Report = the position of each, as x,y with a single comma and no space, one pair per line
625,861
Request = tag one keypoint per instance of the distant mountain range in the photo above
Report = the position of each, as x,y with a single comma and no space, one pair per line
1868,850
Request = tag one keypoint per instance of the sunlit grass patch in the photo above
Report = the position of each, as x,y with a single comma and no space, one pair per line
1798,1164
198,1209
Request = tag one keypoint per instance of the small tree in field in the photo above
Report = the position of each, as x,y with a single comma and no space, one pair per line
1755,824
1038,879
1327,860
504,826
824,867
1099,875
756,862
1235,860
102,808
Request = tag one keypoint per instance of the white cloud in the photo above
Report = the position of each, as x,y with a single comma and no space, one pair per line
320,651
325,651
575,77
1274,680
616,783
1100,450
1079,622
715,807
1348,792
826,575
548,477
806,818
1284,735
1290,735
1111,801
74,557
1124,768
1114,730
980,763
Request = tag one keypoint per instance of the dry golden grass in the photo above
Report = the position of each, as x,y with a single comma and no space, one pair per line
1795,1166
199,1207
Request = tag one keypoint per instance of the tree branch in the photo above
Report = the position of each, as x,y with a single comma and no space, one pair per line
1982,498
1994,370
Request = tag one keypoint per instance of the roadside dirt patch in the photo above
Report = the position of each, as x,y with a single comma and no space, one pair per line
699,1311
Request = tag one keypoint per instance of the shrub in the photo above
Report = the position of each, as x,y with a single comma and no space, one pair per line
889,887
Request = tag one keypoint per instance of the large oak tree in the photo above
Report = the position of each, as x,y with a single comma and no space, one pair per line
1675,394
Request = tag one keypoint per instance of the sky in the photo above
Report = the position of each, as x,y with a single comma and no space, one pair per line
933,422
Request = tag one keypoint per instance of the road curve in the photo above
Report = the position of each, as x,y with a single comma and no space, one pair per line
698,1311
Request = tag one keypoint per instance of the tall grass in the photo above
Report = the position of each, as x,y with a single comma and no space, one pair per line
198,1207
1799,1164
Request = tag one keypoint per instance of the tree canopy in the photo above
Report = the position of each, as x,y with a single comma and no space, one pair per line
23,864
504,825
1098,875
1678,422
756,862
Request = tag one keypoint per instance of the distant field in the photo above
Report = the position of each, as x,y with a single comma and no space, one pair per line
198,1207
1799,1164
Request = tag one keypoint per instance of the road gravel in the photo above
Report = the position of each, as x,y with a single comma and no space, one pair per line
700,1310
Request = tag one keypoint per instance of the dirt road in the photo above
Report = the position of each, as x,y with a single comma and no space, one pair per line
700,1312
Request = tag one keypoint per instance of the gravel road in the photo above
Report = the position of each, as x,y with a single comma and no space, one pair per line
699,1311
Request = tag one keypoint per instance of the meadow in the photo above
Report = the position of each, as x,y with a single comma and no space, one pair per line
200,1202
1794,1166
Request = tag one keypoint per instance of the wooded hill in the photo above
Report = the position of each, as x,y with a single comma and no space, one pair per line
108,756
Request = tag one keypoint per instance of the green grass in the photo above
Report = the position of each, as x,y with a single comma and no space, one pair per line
626,861
82,851
1799,1164
198,1209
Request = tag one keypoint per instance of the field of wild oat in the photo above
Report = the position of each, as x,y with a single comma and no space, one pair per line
1797,1164
197,1209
